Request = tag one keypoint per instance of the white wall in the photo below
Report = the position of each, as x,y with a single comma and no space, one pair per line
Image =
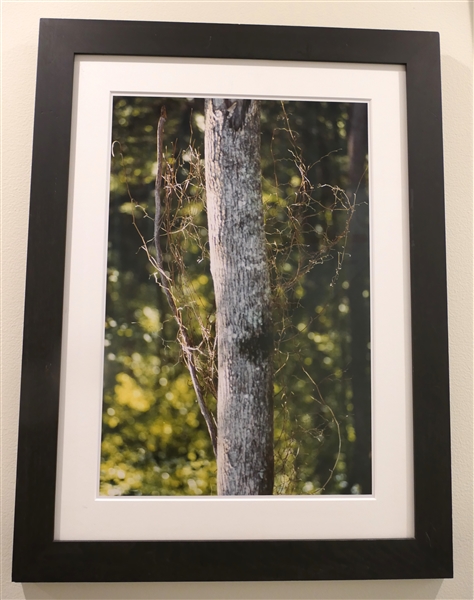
454,20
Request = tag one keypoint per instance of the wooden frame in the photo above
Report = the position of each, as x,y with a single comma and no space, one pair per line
37,556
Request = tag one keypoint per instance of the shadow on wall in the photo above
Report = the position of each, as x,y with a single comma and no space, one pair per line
259,590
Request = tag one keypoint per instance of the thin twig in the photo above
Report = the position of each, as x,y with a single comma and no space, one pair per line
324,403
185,340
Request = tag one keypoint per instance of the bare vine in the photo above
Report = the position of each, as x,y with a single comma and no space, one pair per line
286,240
165,281
179,202
184,338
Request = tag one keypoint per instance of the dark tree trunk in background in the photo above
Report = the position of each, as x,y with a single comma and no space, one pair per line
359,306
242,288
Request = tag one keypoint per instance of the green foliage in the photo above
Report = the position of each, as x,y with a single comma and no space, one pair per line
154,438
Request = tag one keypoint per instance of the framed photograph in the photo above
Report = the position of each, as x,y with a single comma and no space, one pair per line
235,356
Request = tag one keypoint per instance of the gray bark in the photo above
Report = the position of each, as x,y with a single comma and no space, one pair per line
243,304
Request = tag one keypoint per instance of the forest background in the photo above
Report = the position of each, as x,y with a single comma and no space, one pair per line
315,197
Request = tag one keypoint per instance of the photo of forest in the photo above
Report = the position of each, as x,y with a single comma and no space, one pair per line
237,328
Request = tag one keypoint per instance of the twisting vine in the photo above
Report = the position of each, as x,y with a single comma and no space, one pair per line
185,341
286,233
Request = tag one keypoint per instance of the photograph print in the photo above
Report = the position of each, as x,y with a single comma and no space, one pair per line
237,354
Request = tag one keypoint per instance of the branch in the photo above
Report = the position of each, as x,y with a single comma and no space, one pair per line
183,335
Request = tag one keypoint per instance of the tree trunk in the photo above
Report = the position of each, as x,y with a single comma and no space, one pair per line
242,289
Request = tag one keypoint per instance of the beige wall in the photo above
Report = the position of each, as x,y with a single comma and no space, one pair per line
454,20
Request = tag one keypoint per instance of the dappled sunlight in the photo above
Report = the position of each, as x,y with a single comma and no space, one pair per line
154,439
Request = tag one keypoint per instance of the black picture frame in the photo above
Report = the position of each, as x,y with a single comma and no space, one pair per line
37,557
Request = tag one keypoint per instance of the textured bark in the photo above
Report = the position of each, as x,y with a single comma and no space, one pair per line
242,288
